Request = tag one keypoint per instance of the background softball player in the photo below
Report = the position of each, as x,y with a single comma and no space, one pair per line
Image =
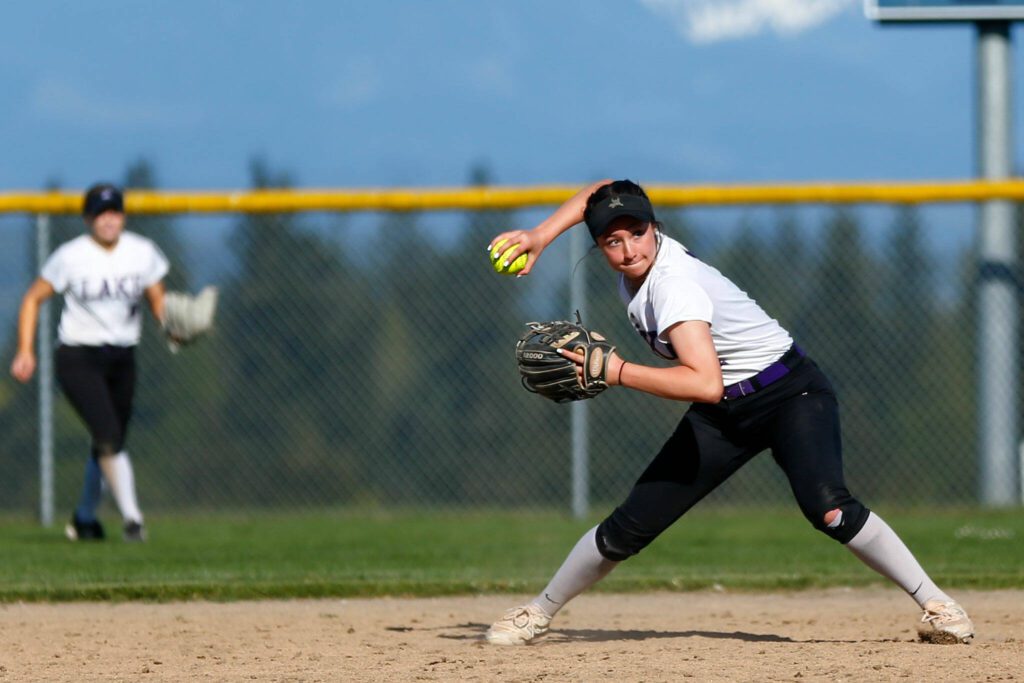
751,389
103,276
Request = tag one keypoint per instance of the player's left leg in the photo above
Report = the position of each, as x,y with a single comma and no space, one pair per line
806,444
118,467
120,475
879,547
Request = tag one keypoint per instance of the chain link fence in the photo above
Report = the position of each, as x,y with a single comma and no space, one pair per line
366,359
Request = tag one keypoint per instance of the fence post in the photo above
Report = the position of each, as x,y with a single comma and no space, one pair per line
45,370
997,263
580,410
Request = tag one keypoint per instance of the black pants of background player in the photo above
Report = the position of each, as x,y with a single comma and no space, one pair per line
796,417
99,381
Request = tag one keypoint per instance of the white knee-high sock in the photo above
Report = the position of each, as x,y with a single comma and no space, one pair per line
92,492
584,567
117,470
878,546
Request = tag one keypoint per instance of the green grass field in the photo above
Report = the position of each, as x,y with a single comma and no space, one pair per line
254,556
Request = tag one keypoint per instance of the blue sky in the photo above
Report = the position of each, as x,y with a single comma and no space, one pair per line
409,92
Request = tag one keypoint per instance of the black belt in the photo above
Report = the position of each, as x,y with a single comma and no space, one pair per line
770,374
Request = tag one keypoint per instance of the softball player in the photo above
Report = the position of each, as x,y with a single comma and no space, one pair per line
751,389
103,276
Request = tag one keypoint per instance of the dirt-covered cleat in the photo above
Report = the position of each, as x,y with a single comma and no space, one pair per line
134,532
77,530
519,626
946,623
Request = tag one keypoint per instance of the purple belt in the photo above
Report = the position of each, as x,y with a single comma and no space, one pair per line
772,373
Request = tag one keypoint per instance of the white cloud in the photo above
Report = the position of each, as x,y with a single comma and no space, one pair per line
708,21
59,100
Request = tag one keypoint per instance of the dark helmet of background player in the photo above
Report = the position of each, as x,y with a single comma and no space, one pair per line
102,197
618,198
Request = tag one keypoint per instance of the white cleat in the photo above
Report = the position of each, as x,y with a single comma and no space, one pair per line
519,626
946,623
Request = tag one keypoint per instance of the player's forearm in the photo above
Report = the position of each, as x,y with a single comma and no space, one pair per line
567,215
679,383
28,318
155,299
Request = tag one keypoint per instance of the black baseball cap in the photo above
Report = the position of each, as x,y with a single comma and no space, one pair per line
601,215
102,197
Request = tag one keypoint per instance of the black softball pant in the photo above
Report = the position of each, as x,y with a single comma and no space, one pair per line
796,417
99,381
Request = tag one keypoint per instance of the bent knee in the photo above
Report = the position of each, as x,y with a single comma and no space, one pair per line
841,520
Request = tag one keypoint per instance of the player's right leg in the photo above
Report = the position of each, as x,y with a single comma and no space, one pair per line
519,626
80,375
584,567
84,525
692,463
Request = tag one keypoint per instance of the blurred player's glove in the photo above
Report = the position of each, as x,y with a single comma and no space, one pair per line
187,317
553,376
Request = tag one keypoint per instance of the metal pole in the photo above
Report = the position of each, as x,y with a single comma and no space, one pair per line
997,292
45,370
580,450
1020,469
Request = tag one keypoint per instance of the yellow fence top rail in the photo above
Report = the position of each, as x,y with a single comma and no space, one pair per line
426,199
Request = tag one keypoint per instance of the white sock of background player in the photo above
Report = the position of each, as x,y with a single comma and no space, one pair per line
117,470
584,567
878,546
92,492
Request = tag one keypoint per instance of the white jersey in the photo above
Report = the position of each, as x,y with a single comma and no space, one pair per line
679,288
103,289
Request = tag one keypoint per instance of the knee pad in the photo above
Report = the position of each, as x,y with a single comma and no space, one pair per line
609,550
615,543
851,518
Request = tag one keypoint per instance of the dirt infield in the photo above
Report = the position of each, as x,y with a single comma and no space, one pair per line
836,635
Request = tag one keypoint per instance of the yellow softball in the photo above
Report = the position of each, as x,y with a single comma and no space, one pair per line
499,256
